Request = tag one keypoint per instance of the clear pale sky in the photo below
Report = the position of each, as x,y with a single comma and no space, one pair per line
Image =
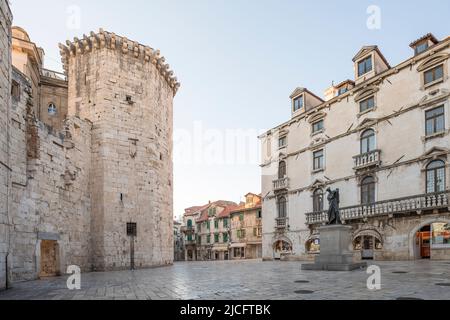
238,61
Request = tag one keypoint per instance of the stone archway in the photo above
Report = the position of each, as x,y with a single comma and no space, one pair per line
367,242
415,230
280,246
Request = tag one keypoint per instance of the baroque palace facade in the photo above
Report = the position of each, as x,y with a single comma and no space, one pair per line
383,141
85,156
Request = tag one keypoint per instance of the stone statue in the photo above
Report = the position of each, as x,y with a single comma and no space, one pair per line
334,216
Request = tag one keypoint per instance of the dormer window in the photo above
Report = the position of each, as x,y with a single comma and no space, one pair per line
299,103
365,66
421,48
343,90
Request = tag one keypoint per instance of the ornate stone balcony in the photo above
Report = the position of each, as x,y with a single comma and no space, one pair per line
367,160
281,224
281,184
417,204
185,229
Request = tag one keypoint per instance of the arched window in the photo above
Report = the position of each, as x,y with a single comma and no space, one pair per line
436,177
367,141
189,223
368,190
282,170
318,200
52,109
282,207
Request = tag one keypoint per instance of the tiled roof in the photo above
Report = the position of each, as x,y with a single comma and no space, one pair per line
425,37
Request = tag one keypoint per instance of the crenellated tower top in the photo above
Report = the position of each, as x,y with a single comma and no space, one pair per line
104,39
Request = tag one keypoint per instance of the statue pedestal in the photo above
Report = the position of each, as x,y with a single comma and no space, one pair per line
335,255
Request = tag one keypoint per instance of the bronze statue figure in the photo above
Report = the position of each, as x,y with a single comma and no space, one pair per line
334,215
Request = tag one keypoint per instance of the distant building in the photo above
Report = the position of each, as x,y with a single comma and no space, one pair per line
178,242
246,229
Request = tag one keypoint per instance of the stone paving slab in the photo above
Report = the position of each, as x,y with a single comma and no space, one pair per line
245,280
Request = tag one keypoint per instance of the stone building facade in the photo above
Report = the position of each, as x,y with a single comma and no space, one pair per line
383,140
246,229
86,156
5,102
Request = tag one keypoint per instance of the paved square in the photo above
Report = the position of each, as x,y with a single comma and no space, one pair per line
245,280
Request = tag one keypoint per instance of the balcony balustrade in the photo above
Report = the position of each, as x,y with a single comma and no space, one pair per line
281,184
418,204
366,160
281,223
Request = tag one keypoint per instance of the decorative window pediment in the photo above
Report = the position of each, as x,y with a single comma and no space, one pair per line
316,117
369,122
433,61
365,93
436,152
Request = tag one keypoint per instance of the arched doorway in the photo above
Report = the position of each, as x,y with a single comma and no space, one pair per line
280,248
367,242
423,242
429,237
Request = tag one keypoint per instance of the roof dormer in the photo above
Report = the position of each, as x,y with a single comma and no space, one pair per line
368,63
423,43
336,91
303,100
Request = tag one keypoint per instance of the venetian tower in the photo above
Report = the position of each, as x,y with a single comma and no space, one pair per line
126,90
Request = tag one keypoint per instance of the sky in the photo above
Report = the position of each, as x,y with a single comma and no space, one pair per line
238,61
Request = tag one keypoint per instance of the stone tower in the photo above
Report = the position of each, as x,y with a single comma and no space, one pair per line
126,90
5,102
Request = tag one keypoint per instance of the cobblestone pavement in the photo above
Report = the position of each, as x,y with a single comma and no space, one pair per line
245,280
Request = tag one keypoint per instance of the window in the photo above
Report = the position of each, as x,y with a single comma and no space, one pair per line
241,217
208,225
317,126
225,237
132,229
208,239
318,200
15,90
216,224
212,212
51,109
199,239
435,121
436,177
367,141
189,237
318,160
259,214
189,224
225,223
342,90
368,191
282,170
199,227
364,66
216,238
421,47
298,103
282,207
367,104
241,233
434,74
282,142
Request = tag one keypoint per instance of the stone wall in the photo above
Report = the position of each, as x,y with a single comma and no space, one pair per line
129,103
5,99
50,197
